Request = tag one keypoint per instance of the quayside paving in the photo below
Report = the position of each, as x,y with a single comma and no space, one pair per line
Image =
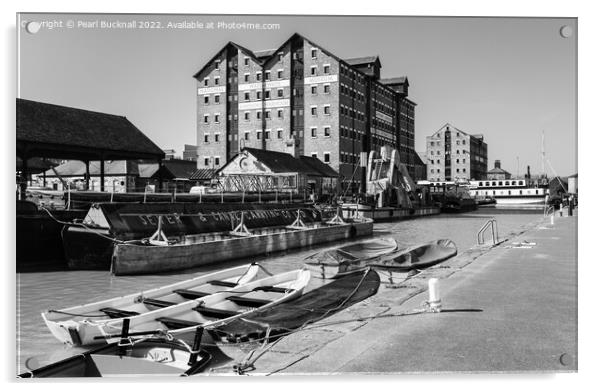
506,308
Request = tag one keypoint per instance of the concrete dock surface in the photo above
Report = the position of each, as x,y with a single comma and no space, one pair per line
506,308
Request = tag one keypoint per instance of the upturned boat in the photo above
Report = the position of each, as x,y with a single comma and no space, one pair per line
344,259
209,310
78,325
308,308
337,262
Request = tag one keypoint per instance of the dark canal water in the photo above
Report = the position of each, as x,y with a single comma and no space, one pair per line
37,292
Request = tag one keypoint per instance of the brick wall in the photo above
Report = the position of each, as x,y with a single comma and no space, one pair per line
321,144
206,87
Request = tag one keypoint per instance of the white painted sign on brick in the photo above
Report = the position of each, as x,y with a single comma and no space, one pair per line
211,90
322,79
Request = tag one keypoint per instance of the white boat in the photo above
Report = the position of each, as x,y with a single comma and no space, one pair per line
78,325
212,310
509,191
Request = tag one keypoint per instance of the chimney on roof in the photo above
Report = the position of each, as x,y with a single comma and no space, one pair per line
497,164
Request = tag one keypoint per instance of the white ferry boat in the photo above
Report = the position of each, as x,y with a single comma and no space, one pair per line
510,191
505,192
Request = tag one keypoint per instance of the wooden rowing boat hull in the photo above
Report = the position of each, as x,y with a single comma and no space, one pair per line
140,259
292,282
81,330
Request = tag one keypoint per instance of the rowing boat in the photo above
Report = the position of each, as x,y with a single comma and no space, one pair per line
310,307
214,309
78,325
145,356
417,257
338,261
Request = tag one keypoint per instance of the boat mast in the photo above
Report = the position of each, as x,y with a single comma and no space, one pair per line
543,153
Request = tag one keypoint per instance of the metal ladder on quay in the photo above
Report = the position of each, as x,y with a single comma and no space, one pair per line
491,223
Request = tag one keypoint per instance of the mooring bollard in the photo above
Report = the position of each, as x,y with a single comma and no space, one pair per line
434,296
560,209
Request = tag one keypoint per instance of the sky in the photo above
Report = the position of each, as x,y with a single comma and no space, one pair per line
510,79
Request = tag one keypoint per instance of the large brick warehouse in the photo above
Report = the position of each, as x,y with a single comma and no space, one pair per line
303,100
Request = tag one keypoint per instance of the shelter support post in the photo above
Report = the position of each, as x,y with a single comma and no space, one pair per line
23,184
87,174
102,175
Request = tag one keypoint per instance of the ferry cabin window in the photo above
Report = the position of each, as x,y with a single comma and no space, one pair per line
480,183
520,183
513,183
520,192
507,183
486,183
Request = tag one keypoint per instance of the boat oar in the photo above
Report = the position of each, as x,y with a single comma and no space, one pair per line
134,334
124,335
196,345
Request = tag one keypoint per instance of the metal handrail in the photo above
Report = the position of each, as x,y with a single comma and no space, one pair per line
494,232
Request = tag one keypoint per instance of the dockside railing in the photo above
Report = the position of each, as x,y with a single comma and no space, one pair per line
491,223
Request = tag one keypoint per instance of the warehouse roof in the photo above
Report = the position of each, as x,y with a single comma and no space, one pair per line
48,130
362,60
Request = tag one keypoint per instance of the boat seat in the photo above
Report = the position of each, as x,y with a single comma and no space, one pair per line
269,288
173,323
222,283
248,301
215,312
191,295
117,313
158,303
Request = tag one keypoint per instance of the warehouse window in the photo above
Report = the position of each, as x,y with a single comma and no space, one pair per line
326,131
326,157
314,132
314,53
280,92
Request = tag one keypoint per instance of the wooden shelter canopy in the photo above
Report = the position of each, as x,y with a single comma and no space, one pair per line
47,130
